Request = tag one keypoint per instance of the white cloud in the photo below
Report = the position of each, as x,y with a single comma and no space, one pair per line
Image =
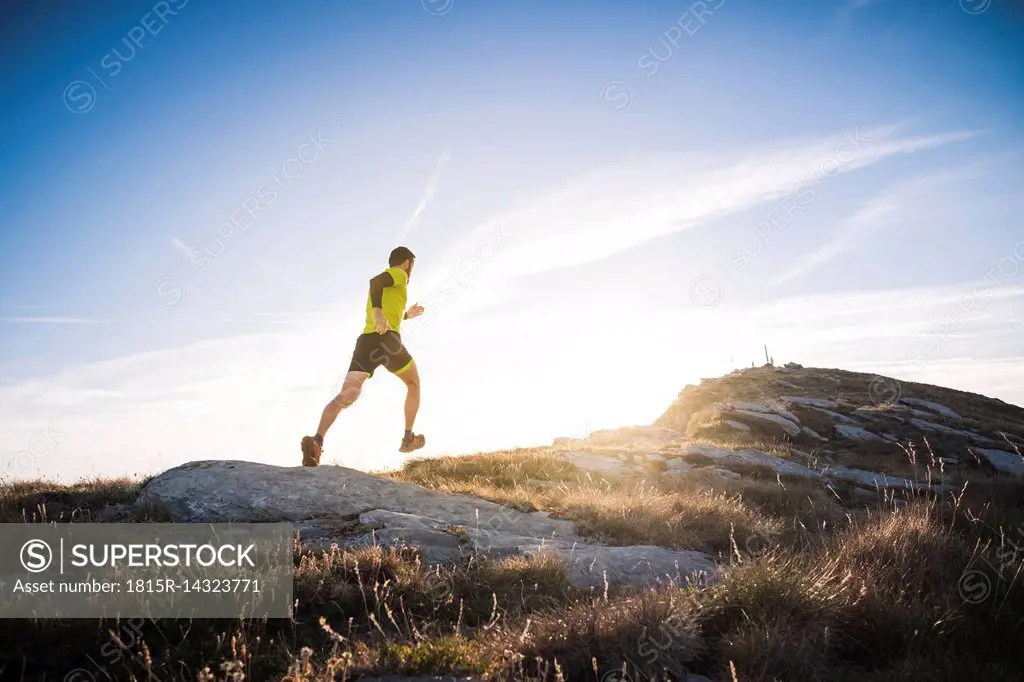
616,208
54,320
428,195
903,203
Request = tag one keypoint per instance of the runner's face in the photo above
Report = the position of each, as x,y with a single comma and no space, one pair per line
408,267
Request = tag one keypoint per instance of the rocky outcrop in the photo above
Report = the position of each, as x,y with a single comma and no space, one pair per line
1001,460
880,433
855,432
727,456
785,425
938,409
821,399
720,473
735,425
813,434
683,462
589,564
741,416
808,402
678,467
601,464
593,566
960,433
745,406
871,479
759,408
834,416
324,503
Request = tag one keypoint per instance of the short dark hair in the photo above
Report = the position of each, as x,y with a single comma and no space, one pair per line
399,256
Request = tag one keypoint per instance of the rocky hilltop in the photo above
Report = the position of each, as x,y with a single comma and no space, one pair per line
808,406
850,431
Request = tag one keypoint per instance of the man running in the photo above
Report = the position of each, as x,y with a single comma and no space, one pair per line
379,344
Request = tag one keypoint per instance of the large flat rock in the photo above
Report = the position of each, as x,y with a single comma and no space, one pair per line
786,425
728,456
738,426
941,428
761,409
741,405
841,418
589,564
855,433
871,479
1001,460
937,408
808,402
230,490
638,565
325,504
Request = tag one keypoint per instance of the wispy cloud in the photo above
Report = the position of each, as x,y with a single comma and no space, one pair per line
852,6
428,195
54,320
181,247
903,203
875,214
659,195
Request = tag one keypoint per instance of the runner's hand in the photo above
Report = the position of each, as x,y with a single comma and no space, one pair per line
414,311
380,322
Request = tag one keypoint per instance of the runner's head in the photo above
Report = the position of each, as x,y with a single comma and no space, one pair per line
402,257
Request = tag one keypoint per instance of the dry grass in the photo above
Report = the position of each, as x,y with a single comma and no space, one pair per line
43,500
686,519
503,469
364,611
928,592
882,595
663,512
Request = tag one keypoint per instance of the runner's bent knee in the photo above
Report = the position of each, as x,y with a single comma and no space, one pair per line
347,396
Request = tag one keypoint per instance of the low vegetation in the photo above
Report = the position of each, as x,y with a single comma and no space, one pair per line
929,591
894,587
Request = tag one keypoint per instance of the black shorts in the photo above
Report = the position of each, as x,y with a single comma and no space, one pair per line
375,350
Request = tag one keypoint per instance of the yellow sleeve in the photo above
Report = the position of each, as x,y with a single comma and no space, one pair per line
399,275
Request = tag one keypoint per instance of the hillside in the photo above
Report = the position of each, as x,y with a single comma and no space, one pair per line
845,416
773,524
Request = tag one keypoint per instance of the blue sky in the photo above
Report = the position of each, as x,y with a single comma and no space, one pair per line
627,197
